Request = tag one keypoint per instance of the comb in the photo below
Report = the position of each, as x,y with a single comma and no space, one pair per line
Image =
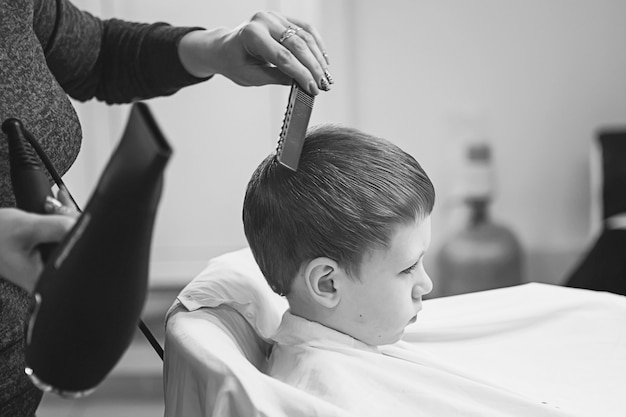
295,123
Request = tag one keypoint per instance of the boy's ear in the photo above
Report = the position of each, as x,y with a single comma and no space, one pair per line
319,276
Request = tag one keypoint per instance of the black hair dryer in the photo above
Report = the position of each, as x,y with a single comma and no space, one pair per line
90,295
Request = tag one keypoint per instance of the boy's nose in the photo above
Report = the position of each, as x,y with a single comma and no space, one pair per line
423,286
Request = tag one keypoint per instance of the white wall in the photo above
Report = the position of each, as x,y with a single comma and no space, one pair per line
537,78
219,132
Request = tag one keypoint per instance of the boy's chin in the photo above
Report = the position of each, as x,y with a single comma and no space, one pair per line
380,340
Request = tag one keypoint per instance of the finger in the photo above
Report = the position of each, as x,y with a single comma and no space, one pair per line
320,47
64,196
66,199
64,205
308,51
260,39
54,206
299,47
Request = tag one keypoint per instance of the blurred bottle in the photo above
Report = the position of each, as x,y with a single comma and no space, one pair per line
483,255
603,267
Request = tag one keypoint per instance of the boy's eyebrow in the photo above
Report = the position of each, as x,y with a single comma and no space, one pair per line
415,260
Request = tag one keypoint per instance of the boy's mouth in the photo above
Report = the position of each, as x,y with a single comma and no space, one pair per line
414,318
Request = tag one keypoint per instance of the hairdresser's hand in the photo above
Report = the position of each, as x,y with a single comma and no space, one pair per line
268,49
22,232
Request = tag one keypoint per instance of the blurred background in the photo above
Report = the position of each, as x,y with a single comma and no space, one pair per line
535,80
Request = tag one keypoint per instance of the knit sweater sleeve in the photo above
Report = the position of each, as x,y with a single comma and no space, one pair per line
112,60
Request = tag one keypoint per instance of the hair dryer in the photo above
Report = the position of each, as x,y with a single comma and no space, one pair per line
90,294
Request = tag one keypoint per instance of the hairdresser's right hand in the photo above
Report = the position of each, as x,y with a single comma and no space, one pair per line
22,232
267,49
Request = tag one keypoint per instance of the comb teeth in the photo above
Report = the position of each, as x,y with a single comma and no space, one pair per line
305,98
295,123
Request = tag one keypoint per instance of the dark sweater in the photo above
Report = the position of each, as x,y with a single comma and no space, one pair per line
48,50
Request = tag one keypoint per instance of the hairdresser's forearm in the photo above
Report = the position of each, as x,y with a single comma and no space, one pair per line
112,60
200,50
140,61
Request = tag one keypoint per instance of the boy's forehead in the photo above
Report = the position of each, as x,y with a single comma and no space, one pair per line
407,242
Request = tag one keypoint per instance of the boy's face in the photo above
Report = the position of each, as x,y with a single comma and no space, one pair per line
386,298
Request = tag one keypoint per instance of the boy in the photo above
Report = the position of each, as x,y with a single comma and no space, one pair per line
350,229
344,239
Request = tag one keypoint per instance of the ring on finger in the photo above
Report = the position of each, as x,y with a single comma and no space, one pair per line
288,33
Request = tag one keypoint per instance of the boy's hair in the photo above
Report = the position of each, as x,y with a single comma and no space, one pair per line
348,196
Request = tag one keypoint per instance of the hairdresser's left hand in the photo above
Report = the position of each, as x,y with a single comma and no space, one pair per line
252,54
21,233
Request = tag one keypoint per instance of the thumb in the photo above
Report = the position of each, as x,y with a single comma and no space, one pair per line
51,228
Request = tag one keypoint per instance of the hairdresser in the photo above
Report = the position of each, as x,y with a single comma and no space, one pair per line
50,50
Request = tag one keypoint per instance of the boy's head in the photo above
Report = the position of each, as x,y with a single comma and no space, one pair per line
353,196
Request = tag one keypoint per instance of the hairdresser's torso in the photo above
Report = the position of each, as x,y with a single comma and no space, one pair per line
49,49
31,93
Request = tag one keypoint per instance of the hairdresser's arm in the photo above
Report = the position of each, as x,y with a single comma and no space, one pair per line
112,60
20,233
117,61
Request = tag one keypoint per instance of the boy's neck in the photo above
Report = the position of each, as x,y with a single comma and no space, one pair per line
301,307
304,307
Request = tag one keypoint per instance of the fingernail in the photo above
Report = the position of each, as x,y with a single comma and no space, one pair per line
325,55
324,84
329,77
52,205
312,87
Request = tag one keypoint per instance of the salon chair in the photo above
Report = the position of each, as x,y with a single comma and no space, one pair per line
603,267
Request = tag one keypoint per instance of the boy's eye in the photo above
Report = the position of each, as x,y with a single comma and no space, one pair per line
411,268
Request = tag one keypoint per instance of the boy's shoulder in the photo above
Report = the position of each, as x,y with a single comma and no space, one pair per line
307,353
316,369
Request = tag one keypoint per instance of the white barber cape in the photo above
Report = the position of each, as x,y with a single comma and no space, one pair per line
532,350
